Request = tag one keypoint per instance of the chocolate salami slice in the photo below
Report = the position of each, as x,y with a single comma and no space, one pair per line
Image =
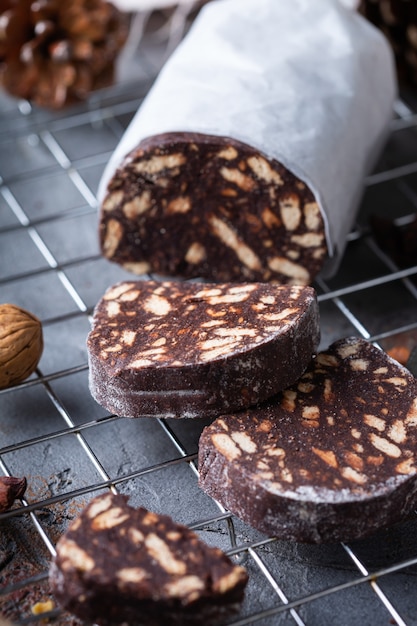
194,205
121,565
331,458
177,349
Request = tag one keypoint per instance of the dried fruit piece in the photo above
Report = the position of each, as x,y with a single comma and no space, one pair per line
54,53
332,458
43,607
117,563
400,354
21,344
11,489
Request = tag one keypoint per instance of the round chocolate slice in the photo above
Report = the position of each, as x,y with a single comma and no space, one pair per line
331,458
121,565
177,349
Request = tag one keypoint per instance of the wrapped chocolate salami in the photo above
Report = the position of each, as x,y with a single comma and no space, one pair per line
247,158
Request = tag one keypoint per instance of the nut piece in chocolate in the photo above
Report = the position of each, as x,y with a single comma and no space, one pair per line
185,349
331,458
117,564
193,205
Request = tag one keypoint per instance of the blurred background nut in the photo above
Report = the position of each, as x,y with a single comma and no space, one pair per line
55,52
21,344
398,21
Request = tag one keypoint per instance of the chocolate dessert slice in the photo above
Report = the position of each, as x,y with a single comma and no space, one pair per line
121,565
177,349
331,458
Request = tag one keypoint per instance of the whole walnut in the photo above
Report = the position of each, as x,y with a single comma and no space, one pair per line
21,344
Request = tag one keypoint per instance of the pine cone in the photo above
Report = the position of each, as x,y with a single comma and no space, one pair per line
398,21
55,52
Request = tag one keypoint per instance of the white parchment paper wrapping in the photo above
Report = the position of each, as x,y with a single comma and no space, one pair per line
309,83
150,5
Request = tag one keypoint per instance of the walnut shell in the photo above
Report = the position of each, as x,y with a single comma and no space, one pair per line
21,344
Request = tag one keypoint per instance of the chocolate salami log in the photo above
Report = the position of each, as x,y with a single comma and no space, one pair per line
177,349
246,160
120,565
332,458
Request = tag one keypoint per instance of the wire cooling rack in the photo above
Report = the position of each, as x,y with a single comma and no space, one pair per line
70,449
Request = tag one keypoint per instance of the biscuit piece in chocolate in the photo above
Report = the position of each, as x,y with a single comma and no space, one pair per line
194,205
177,349
331,458
121,565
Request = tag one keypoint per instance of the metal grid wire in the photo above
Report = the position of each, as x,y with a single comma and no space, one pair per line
70,449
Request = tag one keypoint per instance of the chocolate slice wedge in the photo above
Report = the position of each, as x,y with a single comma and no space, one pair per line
331,458
177,349
121,565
